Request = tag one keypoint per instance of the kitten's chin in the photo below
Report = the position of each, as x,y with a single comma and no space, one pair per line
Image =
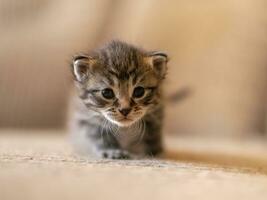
125,123
121,123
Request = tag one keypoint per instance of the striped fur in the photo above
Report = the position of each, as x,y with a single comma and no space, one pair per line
125,124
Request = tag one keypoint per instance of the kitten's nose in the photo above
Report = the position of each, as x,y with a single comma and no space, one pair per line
125,111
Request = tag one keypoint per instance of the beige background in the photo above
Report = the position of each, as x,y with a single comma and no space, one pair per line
217,49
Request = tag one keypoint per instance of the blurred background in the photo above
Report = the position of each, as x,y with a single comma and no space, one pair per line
218,51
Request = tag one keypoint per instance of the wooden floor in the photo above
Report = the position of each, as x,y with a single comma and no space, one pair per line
41,165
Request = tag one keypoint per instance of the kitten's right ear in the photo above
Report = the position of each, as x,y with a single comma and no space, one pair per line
158,61
81,64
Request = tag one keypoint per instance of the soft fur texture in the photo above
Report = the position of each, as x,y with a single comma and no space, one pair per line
118,110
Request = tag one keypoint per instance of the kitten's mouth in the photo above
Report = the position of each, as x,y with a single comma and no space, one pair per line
122,121
125,120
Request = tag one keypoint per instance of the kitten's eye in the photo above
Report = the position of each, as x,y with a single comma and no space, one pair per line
108,93
138,92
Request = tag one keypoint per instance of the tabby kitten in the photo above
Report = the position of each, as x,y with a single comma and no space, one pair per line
118,109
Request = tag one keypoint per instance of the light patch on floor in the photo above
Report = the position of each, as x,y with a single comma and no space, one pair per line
37,166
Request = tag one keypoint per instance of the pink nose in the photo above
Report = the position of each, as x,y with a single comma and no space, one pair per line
125,111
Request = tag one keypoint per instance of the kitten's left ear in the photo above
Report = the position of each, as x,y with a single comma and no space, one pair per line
159,60
81,65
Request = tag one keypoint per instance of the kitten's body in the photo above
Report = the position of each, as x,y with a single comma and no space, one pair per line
122,124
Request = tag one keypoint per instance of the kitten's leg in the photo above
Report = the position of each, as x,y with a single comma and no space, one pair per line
103,143
152,139
107,146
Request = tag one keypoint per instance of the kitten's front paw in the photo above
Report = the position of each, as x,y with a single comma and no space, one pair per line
115,154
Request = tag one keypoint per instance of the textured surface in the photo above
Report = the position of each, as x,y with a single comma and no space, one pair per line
38,166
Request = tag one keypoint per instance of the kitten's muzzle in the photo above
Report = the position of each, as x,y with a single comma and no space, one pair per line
125,111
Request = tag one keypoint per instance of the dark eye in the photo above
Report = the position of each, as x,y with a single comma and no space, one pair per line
108,93
138,92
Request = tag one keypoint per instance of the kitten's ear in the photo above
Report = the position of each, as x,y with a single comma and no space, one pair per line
81,65
159,62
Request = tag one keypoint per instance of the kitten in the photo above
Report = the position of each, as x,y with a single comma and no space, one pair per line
118,110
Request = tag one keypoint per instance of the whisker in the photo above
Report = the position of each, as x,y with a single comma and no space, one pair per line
113,130
143,128
102,130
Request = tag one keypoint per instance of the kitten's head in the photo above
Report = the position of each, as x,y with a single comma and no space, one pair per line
120,81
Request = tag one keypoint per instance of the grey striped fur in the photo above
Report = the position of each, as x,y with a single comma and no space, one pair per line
99,125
